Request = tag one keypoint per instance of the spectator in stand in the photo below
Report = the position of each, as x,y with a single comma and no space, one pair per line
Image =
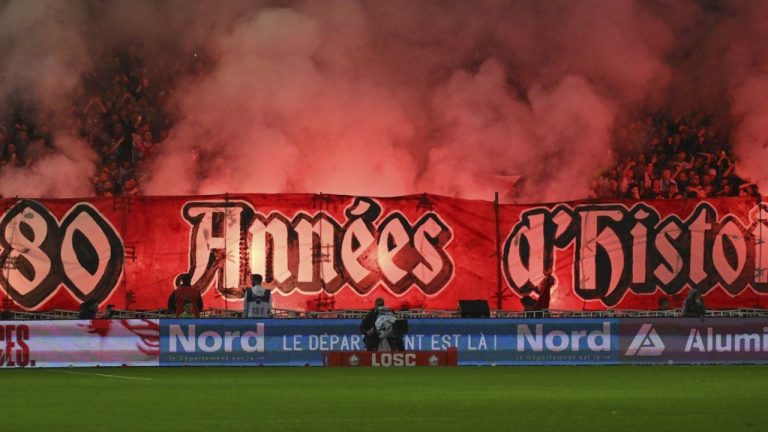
683,150
125,171
663,304
694,189
142,145
749,189
185,293
666,179
109,313
130,187
673,192
725,189
694,305
108,189
88,309
11,157
188,310
654,192
22,138
648,176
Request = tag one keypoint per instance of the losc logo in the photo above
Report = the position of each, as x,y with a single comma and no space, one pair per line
646,343
354,360
388,359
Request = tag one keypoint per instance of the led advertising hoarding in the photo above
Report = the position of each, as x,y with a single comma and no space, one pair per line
77,343
301,342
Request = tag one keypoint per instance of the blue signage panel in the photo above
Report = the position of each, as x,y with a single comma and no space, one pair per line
519,342
301,342
694,340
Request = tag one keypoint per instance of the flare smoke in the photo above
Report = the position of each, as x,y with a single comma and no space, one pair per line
385,98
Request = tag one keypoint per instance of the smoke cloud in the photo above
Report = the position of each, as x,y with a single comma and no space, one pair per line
386,98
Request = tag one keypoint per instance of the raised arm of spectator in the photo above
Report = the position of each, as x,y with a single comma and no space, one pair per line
678,169
117,143
728,171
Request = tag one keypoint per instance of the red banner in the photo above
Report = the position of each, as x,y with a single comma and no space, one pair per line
341,252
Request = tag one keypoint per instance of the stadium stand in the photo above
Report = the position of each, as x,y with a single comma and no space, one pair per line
125,113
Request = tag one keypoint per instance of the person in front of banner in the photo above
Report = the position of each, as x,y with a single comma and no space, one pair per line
694,305
538,300
368,327
109,313
391,331
189,310
187,293
381,329
257,300
88,309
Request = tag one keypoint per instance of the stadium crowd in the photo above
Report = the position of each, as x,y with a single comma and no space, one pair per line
122,112
685,157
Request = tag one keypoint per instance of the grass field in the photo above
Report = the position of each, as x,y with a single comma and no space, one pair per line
473,399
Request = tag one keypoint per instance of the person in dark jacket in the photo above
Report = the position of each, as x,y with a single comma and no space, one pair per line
368,327
382,330
88,309
694,305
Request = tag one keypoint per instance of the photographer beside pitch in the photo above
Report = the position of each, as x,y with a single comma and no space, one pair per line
381,329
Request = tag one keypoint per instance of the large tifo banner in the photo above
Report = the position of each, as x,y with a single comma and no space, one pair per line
422,251
133,342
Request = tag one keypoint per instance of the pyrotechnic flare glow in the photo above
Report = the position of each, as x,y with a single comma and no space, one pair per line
397,97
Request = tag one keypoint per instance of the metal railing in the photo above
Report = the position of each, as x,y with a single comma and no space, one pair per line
59,314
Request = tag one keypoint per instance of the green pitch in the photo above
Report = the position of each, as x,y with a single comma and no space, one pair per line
472,399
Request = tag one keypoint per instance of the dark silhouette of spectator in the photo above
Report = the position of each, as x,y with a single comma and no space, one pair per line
184,293
687,155
188,310
88,309
368,326
663,304
109,313
694,305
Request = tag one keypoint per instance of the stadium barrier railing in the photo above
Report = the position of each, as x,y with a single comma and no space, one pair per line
60,314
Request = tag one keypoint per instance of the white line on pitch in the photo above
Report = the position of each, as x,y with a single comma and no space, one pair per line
101,375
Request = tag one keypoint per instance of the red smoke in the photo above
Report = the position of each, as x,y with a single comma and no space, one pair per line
386,98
